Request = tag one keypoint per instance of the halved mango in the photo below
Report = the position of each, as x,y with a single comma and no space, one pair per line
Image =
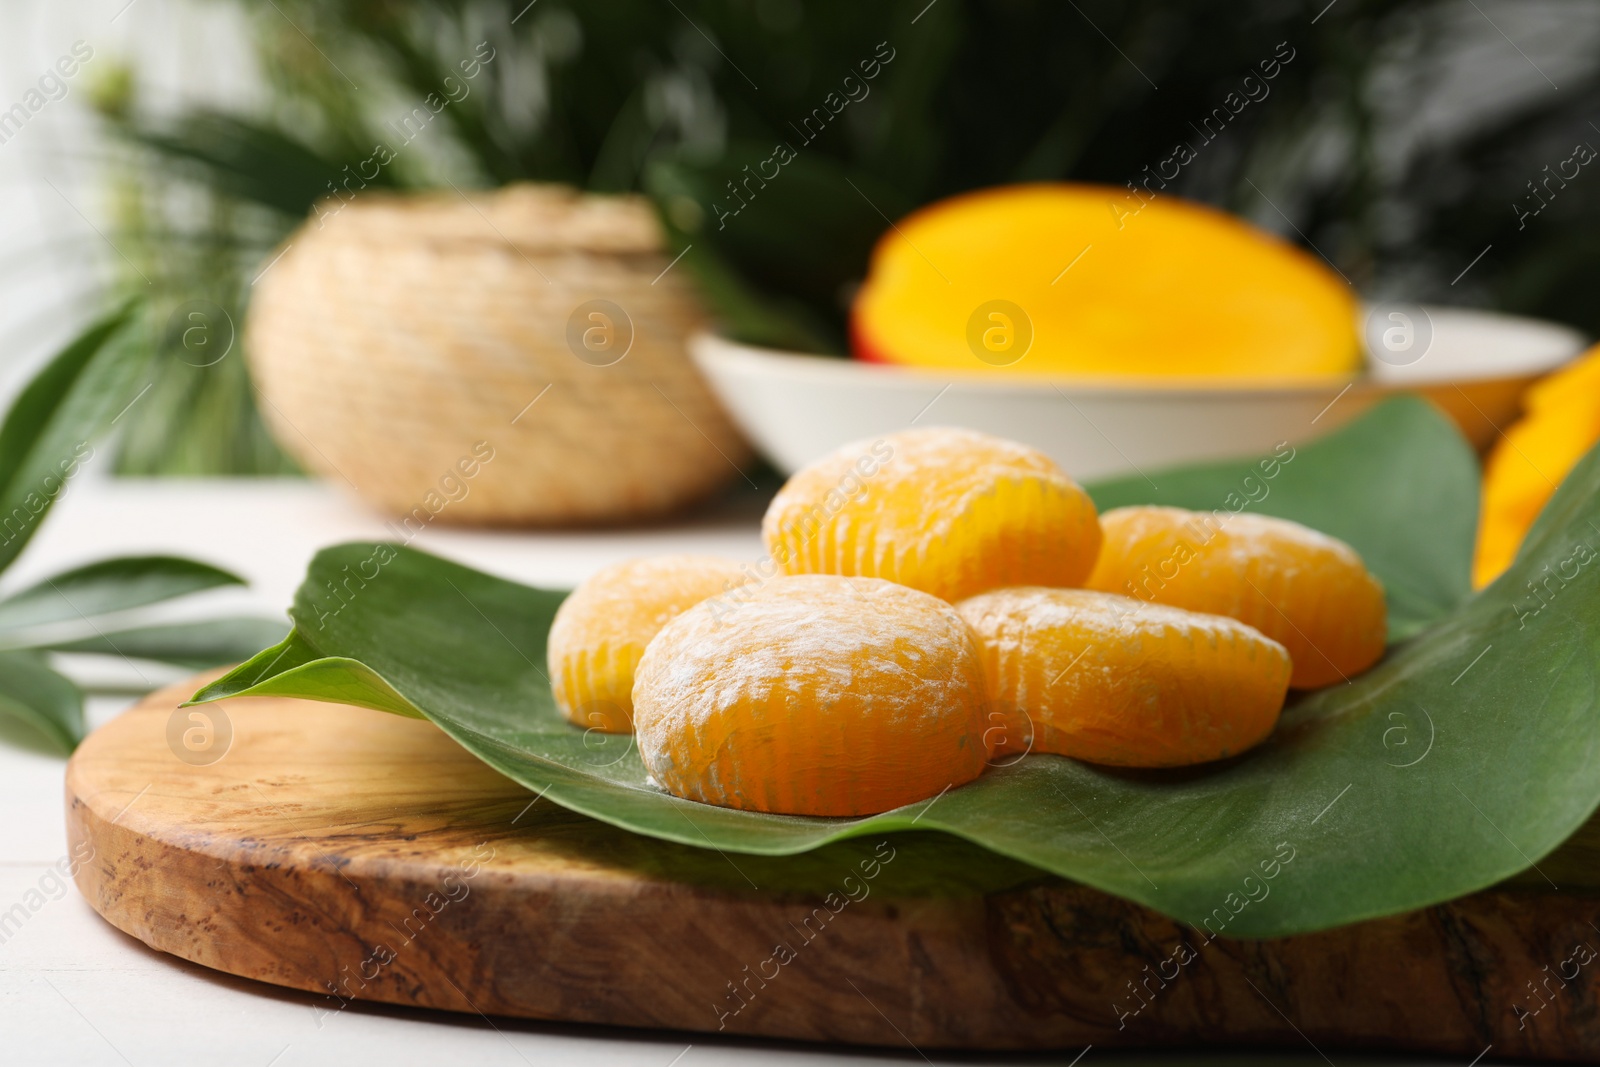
1087,281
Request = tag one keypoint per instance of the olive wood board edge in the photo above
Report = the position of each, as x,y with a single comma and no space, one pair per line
364,856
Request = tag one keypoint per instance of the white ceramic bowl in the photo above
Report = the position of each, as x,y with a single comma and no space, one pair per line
797,407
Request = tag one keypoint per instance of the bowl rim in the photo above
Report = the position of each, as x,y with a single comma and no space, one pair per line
711,351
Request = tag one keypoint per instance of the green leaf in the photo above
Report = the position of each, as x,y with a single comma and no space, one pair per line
742,310
1466,756
1403,461
806,233
254,162
31,692
48,432
109,585
210,643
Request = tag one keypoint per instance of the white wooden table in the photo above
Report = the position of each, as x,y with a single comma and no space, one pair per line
73,990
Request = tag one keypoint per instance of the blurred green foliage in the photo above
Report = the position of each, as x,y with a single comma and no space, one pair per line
677,99
46,436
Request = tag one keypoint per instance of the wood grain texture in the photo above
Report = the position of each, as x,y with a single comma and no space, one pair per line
359,855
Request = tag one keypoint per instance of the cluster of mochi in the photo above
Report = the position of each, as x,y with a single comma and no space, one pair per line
938,602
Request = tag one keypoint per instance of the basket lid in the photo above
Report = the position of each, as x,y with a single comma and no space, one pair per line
529,216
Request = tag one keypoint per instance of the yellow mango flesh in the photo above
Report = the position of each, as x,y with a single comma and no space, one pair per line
1112,289
1531,459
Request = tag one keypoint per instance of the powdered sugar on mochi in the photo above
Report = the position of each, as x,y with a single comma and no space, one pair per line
665,585
1035,608
965,464
1253,537
672,583
600,631
1238,537
813,635
1009,622
1080,661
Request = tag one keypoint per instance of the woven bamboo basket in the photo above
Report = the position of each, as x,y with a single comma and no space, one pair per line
515,357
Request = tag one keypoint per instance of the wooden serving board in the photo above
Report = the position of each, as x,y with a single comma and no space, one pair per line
359,855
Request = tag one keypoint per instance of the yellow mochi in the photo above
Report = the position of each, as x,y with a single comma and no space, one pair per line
1118,681
814,695
1308,591
948,511
601,630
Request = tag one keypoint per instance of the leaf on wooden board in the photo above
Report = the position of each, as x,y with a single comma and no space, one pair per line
1467,755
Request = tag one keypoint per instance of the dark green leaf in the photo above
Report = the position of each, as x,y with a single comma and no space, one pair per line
1462,759
211,643
48,433
800,240
743,312
33,693
250,160
1402,459
106,586
197,421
